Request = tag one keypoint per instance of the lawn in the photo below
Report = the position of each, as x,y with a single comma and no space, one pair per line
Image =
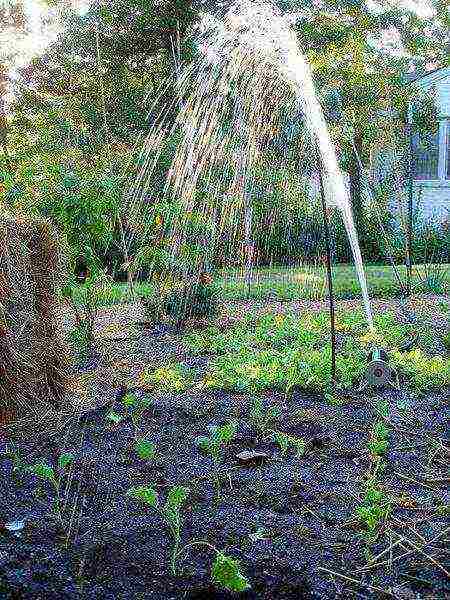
308,283
189,463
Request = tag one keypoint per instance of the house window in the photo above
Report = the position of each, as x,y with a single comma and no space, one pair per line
425,154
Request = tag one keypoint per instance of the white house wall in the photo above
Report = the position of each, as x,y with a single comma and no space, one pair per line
444,98
431,199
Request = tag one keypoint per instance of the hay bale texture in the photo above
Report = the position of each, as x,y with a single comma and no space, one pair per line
32,356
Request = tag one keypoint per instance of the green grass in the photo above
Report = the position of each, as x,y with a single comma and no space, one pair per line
304,283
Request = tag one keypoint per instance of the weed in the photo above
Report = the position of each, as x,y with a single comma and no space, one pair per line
424,372
262,419
46,472
173,377
214,445
286,441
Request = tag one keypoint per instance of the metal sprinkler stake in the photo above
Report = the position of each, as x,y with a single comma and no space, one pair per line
410,203
379,373
329,271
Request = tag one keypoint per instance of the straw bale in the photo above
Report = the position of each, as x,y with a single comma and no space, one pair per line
32,356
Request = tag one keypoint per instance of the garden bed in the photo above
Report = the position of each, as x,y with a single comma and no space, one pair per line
298,519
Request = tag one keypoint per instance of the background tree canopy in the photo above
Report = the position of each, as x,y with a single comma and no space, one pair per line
69,142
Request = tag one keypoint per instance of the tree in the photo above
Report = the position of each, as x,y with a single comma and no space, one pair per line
359,55
12,26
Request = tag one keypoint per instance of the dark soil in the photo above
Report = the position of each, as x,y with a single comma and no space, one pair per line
310,543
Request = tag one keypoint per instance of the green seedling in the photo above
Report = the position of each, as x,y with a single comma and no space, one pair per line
226,573
136,406
333,399
114,417
262,419
145,449
379,443
48,473
214,446
378,447
383,408
444,306
170,512
16,459
374,509
286,441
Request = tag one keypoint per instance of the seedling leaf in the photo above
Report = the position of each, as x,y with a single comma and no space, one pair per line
43,470
145,449
144,493
65,459
226,574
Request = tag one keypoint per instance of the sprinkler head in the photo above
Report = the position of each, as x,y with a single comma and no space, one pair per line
378,373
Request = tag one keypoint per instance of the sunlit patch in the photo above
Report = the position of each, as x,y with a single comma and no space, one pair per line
308,278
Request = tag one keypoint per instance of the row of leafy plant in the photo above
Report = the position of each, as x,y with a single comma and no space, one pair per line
287,351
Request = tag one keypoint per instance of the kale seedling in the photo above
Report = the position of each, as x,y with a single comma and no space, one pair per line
225,571
214,445
44,471
170,512
261,418
137,406
286,441
379,443
145,449
374,508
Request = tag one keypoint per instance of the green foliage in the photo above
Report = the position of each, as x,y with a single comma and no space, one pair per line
262,419
136,405
374,509
423,372
170,512
114,417
145,494
81,338
226,573
446,341
173,377
214,445
286,441
193,301
379,442
46,472
145,449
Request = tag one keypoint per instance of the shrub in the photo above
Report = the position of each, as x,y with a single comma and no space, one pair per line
197,300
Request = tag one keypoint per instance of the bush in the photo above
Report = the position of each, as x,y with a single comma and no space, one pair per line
197,300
